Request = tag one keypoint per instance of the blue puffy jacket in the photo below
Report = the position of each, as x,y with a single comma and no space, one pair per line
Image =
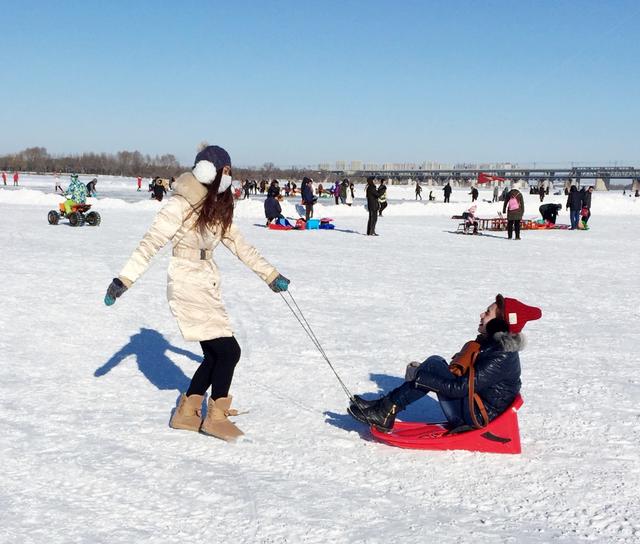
497,378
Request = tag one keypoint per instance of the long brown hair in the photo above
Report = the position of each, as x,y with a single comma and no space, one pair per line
216,209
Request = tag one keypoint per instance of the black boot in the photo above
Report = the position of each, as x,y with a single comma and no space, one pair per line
355,408
381,415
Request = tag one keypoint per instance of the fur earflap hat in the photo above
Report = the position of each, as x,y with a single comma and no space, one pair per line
208,162
516,313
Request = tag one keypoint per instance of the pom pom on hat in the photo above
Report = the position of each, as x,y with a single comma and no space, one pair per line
208,161
516,313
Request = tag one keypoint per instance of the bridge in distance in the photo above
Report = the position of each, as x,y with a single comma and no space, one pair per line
606,173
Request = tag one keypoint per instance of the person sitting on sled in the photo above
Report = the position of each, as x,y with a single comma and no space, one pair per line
272,208
494,367
76,194
470,220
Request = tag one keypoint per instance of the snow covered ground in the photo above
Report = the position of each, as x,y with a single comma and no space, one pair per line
86,391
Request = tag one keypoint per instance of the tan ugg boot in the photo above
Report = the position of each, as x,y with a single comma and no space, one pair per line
216,423
188,414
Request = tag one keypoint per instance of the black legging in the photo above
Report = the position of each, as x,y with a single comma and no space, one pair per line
373,219
513,224
216,370
383,205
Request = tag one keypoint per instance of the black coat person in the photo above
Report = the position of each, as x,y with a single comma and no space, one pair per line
549,212
159,190
91,187
372,205
272,208
586,204
574,205
447,192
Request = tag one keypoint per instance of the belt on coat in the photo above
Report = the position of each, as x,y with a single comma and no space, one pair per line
193,254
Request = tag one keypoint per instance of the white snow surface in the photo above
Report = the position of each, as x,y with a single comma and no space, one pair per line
86,390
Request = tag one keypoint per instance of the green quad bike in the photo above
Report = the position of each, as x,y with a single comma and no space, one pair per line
77,217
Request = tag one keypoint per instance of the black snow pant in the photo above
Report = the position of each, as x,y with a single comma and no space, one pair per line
446,197
513,224
373,219
216,370
308,211
383,205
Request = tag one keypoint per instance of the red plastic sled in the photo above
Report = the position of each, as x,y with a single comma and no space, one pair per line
502,435
276,226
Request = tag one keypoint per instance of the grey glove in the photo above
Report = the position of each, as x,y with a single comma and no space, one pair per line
279,284
114,291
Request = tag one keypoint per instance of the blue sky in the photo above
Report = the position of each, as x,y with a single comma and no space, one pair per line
308,82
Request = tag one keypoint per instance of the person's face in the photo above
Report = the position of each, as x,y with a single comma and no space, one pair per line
490,313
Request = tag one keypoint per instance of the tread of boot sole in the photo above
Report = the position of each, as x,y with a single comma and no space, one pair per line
184,428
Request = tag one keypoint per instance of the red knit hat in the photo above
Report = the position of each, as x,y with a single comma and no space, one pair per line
516,314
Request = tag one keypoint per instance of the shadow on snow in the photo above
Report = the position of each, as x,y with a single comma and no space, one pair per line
425,409
150,349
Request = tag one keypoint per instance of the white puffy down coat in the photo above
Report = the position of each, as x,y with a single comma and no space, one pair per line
193,283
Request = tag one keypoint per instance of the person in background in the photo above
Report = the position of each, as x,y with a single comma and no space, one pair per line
336,192
139,180
382,196
275,184
91,187
514,208
474,194
470,220
348,197
159,190
418,190
541,190
495,193
307,198
4,178
585,212
549,212
16,177
57,183
344,188
574,205
272,208
447,191
372,205
320,189
432,198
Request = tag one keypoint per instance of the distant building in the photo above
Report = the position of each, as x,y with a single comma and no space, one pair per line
341,165
324,166
355,165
